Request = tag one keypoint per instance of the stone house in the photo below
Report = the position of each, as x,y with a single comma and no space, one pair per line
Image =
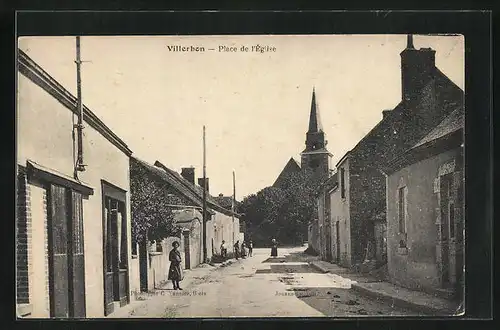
73,228
222,223
425,211
428,96
150,258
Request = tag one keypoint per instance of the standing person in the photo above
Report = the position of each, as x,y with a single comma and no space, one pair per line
237,249
250,248
175,273
274,248
243,249
223,249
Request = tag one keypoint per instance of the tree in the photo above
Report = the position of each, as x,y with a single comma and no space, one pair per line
152,217
284,212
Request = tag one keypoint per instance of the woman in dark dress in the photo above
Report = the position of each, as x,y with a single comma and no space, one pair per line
237,249
250,248
274,248
175,273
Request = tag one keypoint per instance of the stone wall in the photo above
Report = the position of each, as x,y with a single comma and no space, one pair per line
418,265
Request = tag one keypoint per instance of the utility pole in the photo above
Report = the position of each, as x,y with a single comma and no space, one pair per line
79,126
233,202
204,198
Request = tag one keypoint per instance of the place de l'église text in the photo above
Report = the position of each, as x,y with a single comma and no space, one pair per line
223,49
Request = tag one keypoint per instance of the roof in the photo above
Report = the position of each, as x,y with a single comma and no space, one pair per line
328,184
412,121
446,135
452,123
346,155
291,166
194,189
30,69
165,176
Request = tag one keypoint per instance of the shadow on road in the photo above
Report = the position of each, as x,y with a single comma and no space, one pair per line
288,269
292,257
338,302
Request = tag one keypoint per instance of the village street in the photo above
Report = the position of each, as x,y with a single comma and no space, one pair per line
261,287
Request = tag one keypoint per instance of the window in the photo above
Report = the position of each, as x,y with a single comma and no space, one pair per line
342,182
402,214
22,242
159,247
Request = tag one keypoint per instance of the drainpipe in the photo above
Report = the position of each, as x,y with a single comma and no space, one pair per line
80,166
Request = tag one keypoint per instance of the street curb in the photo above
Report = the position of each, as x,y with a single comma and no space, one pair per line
318,267
399,302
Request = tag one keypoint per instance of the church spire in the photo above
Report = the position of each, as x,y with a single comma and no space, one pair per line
314,121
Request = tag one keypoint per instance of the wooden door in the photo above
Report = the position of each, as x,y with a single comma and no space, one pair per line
338,241
76,259
107,249
58,252
445,190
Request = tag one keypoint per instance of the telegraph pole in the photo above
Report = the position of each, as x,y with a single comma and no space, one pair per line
233,204
79,126
204,198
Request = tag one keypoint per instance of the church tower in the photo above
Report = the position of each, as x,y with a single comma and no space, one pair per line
315,156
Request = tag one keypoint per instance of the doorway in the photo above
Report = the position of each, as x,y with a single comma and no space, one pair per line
115,248
66,253
328,242
187,250
448,230
337,231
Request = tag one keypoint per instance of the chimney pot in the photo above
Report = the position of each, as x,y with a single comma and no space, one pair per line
188,174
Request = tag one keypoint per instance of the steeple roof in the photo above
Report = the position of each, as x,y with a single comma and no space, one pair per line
314,119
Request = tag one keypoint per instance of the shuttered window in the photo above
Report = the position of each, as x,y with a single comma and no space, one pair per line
77,223
342,182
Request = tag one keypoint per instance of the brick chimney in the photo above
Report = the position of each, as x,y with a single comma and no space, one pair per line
188,174
200,183
418,67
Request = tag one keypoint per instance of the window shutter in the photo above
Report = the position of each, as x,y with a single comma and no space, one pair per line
59,259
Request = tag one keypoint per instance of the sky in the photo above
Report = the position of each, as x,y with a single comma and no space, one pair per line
255,106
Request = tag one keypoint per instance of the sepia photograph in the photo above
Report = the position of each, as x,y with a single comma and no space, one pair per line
248,176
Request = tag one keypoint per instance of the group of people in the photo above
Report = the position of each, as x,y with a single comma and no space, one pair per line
240,250
175,273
